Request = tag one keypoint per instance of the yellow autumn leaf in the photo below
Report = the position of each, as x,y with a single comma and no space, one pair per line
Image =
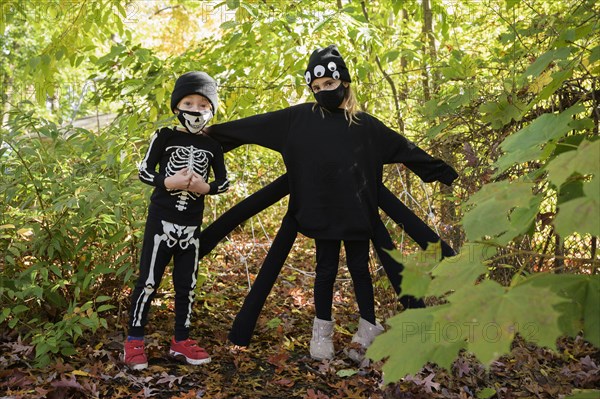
540,82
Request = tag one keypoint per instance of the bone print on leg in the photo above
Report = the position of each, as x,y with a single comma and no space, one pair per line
192,295
150,284
185,276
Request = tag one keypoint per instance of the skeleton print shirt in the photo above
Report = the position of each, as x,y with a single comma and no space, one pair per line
172,150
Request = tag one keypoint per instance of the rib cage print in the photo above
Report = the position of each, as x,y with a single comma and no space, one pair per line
187,157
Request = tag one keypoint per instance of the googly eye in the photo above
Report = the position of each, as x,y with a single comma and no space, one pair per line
319,71
331,66
335,75
307,77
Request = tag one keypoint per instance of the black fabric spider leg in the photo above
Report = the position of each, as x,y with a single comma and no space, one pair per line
417,229
245,321
244,210
382,241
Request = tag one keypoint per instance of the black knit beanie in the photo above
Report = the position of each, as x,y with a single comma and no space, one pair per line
326,62
195,83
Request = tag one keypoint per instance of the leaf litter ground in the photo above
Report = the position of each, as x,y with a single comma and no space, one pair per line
277,364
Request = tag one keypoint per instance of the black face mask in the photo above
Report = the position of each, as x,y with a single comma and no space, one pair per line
331,99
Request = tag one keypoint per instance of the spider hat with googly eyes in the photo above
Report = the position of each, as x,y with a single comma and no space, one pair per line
326,62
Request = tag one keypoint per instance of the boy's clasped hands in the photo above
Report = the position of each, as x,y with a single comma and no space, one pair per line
183,179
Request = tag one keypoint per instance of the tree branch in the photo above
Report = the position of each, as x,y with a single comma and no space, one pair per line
387,77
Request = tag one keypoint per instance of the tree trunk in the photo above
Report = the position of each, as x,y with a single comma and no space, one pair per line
427,32
403,61
431,78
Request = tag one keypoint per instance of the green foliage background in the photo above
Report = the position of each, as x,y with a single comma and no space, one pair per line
507,92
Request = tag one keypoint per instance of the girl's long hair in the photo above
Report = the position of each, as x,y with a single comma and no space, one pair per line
351,109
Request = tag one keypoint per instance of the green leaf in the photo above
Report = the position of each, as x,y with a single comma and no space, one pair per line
584,394
103,298
19,309
103,308
415,281
232,4
526,144
499,113
517,157
5,313
463,269
569,191
581,215
42,348
346,373
585,160
494,202
486,393
542,62
433,132
391,55
460,66
522,218
274,322
417,338
542,129
417,266
68,351
494,314
558,78
594,54
591,318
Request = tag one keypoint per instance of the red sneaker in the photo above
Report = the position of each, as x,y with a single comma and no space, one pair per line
134,355
190,350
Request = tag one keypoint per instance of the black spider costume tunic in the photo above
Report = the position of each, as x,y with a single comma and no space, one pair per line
334,168
171,150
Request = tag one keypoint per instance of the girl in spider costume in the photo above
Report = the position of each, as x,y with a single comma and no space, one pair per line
183,155
334,156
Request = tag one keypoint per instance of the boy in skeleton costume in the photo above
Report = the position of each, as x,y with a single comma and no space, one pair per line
183,155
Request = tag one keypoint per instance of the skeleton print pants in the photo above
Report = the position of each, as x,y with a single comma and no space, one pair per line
164,241
357,259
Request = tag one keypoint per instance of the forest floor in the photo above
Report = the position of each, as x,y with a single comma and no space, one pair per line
277,363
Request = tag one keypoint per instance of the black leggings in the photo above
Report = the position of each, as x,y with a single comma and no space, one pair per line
357,259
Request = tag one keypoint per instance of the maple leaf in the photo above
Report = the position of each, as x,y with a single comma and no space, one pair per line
20,348
462,366
285,382
494,314
415,338
310,394
325,366
428,383
278,360
170,379
193,394
67,383
42,392
589,363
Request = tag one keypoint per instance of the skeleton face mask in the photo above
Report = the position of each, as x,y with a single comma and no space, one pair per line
194,122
